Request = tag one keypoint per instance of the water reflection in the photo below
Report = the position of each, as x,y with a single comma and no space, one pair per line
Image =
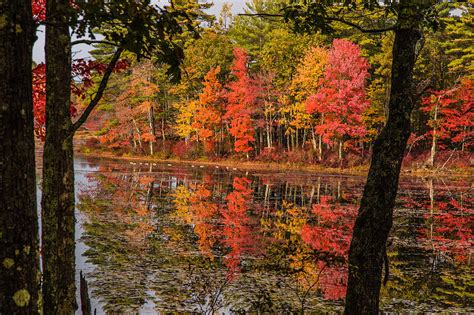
177,238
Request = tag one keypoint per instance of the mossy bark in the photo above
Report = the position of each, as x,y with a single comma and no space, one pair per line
374,220
19,260
58,221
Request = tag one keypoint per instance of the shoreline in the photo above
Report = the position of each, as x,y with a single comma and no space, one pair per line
275,167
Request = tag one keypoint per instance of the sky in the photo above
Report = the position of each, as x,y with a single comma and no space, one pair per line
81,51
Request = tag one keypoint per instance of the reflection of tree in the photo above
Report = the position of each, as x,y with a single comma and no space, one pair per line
116,234
444,237
239,231
197,208
202,242
331,235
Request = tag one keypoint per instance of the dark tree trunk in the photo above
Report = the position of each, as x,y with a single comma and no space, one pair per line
58,172
19,263
374,221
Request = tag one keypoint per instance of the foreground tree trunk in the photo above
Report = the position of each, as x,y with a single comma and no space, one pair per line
19,263
58,173
374,220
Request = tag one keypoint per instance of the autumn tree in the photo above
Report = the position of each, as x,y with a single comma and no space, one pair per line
374,220
19,275
209,111
340,100
451,116
242,101
305,83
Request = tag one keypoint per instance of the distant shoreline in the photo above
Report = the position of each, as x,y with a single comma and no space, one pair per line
265,166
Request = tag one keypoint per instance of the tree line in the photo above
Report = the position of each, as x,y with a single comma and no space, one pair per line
278,96
161,33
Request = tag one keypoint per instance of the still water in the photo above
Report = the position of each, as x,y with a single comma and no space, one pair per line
184,238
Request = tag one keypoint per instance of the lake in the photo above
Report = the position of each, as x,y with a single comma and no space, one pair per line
160,238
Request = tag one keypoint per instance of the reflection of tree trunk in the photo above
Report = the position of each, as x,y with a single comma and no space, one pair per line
319,190
19,263
431,188
267,196
58,222
149,195
374,220
338,190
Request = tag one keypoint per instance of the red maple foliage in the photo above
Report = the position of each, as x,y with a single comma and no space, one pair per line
243,97
341,99
38,8
82,73
453,114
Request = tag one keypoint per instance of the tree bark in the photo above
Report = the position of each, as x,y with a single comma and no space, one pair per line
374,220
435,136
19,260
58,222
151,121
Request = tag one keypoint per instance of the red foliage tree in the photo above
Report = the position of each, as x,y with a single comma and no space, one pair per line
39,100
341,99
242,96
83,71
452,115
38,7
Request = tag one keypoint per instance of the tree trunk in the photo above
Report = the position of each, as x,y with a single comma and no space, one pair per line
19,263
374,220
163,128
151,121
57,202
435,136
340,151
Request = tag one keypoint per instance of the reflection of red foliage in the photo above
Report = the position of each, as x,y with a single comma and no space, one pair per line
334,231
238,231
333,281
452,228
332,235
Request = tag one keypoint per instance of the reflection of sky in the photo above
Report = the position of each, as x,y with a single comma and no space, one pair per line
81,170
81,51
